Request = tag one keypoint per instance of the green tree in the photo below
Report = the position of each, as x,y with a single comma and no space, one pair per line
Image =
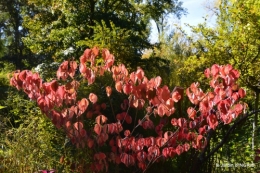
234,40
60,28
12,48
160,10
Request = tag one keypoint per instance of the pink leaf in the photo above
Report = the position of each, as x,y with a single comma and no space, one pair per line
191,112
215,70
93,98
241,92
101,119
97,129
157,81
119,86
83,105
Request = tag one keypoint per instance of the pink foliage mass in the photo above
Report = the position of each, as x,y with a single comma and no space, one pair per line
219,105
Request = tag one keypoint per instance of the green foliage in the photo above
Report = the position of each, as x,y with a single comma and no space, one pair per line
114,38
12,48
47,70
121,26
174,49
237,155
6,69
234,40
30,142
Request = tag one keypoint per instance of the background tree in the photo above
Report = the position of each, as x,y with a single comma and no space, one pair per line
13,49
160,11
234,40
70,26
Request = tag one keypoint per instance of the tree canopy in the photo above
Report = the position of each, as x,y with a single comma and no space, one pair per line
59,28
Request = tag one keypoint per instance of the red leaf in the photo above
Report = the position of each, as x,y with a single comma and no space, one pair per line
182,122
164,93
161,110
83,105
226,69
103,106
139,73
127,88
207,73
160,141
212,121
62,71
78,126
215,70
169,103
238,109
241,92
22,75
93,98
99,156
176,96
114,128
128,119
202,130
119,86
73,66
186,146
133,77
179,149
97,129
101,119
56,119
105,54
168,135
83,68
149,141
191,112
226,118
127,133
141,156
165,152
235,74
148,124
174,122
224,106
235,96
95,51
201,142
90,143
142,165
157,81
153,153
127,159
91,78
87,53
177,93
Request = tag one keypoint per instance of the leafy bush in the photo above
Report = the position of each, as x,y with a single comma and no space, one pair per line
136,123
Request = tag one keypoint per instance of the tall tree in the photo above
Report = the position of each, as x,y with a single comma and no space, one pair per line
160,10
11,33
58,28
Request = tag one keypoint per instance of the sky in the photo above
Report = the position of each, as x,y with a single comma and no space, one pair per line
197,9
